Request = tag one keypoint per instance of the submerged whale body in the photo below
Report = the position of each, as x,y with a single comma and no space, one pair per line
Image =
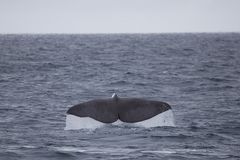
115,110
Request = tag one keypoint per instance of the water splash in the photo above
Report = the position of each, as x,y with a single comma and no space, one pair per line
74,122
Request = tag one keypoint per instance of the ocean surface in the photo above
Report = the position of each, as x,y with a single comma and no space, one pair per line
42,76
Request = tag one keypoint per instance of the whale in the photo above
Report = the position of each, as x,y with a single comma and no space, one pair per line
115,110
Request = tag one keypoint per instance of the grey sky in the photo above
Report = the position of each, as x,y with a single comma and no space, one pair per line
119,16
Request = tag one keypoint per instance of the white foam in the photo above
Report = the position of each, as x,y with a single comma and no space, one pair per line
173,151
160,152
94,150
69,149
163,119
75,122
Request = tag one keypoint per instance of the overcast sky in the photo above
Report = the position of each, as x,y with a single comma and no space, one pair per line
119,16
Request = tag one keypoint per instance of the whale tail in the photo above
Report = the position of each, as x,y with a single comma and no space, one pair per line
75,122
134,111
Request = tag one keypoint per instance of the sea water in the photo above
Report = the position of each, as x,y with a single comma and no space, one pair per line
42,76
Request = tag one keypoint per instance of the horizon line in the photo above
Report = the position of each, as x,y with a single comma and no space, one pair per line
94,33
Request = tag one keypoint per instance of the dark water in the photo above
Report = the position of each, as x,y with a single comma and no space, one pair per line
41,76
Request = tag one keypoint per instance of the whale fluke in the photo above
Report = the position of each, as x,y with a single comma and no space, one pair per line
129,110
